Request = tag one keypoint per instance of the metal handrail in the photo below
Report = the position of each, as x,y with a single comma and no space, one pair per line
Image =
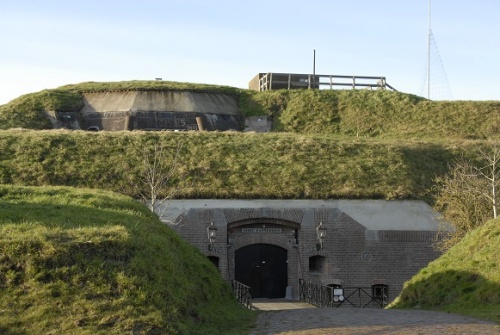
323,296
242,293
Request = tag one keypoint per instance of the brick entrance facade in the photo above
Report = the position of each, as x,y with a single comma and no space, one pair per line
352,244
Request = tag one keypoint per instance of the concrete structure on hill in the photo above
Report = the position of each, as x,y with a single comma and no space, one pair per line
186,110
270,244
153,110
292,81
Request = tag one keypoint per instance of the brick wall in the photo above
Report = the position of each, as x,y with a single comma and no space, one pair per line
350,255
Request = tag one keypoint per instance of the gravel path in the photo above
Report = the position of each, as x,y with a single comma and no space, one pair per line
299,319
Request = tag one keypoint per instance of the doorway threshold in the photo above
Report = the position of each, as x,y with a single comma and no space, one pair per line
263,304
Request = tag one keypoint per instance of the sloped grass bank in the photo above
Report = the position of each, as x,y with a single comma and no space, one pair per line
230,165
27,110
365,113
465,280
93,262
375,114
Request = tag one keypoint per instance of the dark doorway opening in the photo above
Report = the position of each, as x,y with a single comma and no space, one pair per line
214,260
264,268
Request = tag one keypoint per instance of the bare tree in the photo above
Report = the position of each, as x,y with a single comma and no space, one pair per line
155,181
468,197
491,173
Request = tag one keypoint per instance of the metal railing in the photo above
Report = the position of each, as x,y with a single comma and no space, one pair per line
326,296
242,293
270,81
315,294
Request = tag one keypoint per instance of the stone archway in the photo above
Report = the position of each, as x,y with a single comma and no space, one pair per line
263,254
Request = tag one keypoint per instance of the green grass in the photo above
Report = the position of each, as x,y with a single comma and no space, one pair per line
359,113
326,144
94,262
148,85
233,165
465,280
27,110
377,113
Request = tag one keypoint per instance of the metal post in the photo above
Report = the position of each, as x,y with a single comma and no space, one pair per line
429,55
314,62
314,68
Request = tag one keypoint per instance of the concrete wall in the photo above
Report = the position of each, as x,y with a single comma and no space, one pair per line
152,110
102,102
254,83
258,124
367,242
152,101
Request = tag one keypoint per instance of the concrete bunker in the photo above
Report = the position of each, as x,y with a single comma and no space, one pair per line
153,110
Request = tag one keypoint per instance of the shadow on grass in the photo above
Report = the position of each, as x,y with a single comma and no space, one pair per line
452,290
424,163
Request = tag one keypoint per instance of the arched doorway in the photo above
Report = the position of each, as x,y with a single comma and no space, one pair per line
264,268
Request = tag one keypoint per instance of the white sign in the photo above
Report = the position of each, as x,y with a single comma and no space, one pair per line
261,230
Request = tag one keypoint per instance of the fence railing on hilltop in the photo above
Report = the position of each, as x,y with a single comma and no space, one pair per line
273,81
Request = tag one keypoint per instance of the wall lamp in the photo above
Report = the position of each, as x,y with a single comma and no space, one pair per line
320,233
212,235
293,236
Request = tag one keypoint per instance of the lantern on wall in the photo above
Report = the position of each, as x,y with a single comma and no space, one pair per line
321,234
212,235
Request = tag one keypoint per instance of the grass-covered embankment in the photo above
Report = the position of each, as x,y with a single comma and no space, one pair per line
465,280
375,114
80,261
231,165
27,110
362,113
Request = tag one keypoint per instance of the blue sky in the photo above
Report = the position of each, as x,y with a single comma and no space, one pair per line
46,44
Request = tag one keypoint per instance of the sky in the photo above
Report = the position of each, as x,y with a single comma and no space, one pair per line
46,44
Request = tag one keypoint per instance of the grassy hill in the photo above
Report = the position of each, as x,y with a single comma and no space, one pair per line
80,261
27,110
326,144
232,165
465,280
364,113
376,113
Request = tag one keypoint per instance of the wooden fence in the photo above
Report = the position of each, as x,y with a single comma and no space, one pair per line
273,81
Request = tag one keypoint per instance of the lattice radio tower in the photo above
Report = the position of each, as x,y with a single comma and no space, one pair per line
436,85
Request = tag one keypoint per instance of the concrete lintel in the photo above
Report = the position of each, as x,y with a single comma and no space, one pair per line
373,214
